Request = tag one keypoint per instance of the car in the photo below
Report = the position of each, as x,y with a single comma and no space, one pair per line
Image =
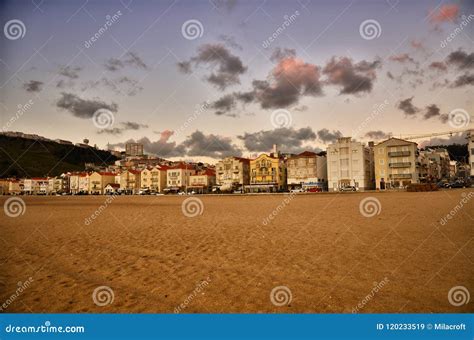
314,190
456,184
348,188
296,190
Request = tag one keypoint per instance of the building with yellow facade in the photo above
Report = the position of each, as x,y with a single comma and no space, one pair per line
99,180
153,179
267,174
396,164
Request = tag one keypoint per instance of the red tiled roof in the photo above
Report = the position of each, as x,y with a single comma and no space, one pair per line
182,166
114,185
104,173
135,172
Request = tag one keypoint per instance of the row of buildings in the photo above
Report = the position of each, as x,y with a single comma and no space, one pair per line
347,163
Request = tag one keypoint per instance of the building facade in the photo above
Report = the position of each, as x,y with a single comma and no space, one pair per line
153,179
202,181
396,164
307,170
350,164
232,173
471,151
177,177
134,149
98,181
130,181
267,174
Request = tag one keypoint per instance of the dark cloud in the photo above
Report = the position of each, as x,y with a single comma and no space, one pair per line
224,104
82,108
289,139
463,80
226,67
390,75
199,144
378,135
121,85
161,147
129,59
456,138
461,59
71,72
432,111
230,41
353,78
124,126
282,53
33,86
438,65
407,106
327,136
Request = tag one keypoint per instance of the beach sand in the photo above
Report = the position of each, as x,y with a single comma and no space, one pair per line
328,257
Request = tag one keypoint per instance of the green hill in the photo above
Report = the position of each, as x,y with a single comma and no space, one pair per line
22,157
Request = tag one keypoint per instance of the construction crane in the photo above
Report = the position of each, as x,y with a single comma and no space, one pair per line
435,134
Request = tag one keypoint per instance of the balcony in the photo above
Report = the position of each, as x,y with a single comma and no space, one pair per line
400,165
399,154
400,176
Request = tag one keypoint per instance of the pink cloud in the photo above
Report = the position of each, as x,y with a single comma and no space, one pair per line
444,13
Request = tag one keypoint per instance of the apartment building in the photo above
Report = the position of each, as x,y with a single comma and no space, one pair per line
202,181
307,170
350,163
35,186
55,185
83,183
134,149
440,158
153,179
232,173
130,181
177,177
396,164
99,180
267,174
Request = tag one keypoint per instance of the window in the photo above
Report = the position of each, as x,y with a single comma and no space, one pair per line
381,150
381,161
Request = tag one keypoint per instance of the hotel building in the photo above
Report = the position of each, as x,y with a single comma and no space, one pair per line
233,173
350,163
396,164
307,170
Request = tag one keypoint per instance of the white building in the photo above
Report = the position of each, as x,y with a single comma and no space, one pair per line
350,163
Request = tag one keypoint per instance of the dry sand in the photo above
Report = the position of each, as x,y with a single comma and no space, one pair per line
319,246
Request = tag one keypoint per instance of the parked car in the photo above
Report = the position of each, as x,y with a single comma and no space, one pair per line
457,184
348,188
297,190
314,190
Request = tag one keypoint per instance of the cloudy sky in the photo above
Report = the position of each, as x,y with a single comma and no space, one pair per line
206,79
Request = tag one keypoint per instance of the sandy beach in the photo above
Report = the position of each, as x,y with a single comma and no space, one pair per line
316,252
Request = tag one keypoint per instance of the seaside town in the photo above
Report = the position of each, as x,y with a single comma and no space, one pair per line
346,165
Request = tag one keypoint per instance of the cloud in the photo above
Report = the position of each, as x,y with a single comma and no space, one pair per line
456,138
71,72
121,85
224,104
230,41
390,75
465,79
378,135
407,106
438,65
33,86
353,78
226,67
129,59
327,136
124,126
290,139
402,58
82,108
445,13
432,111
461,59
215,146
281,53
417,45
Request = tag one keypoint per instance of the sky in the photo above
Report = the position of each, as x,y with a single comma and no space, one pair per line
209,79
